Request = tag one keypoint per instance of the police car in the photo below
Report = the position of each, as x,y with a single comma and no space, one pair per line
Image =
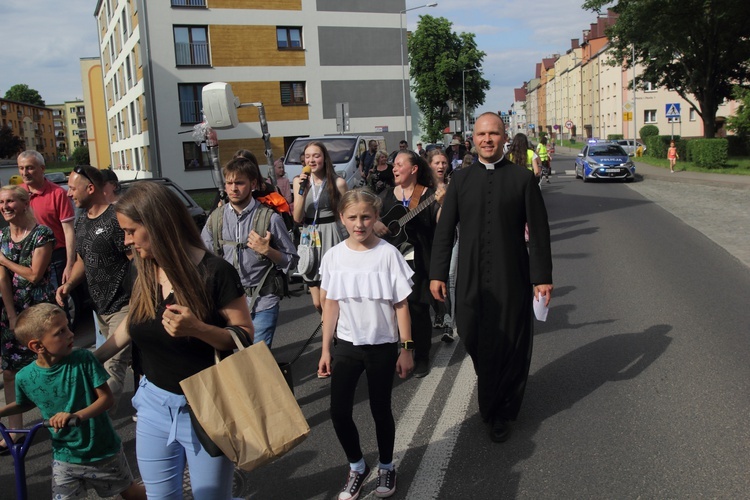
604,160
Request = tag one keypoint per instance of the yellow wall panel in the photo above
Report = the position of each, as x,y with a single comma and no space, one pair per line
269,93
228,147
256,4
250,46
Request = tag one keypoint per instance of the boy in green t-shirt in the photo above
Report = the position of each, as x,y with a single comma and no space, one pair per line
64,383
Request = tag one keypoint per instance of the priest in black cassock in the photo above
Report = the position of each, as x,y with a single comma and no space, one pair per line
498,276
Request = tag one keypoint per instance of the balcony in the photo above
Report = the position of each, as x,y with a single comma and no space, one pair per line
192,54
188,3
190,112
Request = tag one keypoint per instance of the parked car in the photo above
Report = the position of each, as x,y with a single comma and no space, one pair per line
604,160
196,211
345,151
630,145
58,178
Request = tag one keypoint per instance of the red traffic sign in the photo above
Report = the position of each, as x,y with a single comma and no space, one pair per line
568,124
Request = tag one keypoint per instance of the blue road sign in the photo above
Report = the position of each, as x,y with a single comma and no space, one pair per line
673,110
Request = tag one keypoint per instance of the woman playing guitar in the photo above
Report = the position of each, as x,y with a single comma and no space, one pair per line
411,214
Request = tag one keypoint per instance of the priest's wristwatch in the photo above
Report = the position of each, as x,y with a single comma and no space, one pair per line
407,345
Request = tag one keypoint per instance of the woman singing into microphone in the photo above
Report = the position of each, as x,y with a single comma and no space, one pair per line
316,197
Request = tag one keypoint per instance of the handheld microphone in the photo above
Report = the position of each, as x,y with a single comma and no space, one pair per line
303,184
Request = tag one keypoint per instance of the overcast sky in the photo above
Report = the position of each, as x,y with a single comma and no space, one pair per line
45,40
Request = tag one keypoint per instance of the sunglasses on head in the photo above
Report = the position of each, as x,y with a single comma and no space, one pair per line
82,171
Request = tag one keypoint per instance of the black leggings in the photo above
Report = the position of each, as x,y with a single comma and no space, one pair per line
379,362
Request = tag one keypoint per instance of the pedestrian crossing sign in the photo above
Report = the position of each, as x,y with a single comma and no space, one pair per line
673,110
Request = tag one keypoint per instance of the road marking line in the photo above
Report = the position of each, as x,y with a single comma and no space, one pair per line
411,419
431,472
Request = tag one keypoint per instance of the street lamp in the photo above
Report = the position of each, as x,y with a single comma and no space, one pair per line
404,83
463,91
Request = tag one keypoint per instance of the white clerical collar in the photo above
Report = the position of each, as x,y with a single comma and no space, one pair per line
491,166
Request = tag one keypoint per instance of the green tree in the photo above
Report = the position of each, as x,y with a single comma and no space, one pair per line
23,93
10,144
438,59
740,123
699,48
80,156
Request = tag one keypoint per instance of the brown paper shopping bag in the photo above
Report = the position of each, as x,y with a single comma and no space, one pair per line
246,407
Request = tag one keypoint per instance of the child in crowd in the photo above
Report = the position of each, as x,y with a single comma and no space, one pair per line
65,383
365,282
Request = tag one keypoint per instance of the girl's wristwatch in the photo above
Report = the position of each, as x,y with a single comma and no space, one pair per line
407,345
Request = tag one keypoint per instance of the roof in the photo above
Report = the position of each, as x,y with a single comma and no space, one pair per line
519,94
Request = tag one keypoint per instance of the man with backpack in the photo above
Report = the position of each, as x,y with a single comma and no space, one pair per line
253,238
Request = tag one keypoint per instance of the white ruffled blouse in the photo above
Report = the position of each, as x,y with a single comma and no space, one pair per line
366,285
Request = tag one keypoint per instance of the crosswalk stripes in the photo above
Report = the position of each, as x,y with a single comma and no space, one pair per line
412,419
429,477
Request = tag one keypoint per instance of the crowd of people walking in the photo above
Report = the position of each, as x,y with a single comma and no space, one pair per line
383,254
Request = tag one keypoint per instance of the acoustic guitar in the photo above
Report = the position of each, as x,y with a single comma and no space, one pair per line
397,217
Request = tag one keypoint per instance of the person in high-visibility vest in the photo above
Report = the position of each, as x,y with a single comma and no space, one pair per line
544,157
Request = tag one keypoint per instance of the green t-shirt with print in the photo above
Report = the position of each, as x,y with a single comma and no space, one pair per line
70,386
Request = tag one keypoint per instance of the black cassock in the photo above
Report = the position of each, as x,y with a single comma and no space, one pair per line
495,274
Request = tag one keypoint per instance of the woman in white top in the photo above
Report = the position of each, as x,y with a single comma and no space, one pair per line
365,283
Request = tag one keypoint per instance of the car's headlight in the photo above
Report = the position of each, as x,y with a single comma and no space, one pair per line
593,163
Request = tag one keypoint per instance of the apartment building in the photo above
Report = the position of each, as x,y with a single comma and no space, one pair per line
303,59
61,130
96,112
34,124
70,126
586,87
518,111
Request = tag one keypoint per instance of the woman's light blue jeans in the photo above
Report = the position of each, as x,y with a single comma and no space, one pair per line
165,440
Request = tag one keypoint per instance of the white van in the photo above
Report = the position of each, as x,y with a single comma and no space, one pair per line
345,152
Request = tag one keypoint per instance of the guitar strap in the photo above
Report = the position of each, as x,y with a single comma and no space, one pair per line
415,196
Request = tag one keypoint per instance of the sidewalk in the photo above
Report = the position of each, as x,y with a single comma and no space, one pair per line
646,171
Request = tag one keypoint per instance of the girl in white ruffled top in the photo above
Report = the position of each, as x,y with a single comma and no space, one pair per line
364,285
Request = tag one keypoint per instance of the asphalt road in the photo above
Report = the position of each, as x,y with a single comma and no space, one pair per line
638,385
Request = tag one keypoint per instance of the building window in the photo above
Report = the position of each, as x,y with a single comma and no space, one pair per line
194,157
190,102
692,114
288,38
133,119
293,93
74,121
137,158
191,45
124,22
649,116
128,72
649,87
188,3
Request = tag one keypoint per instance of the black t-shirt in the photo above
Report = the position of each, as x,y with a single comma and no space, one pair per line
101,244
380,180
167,360
420,232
